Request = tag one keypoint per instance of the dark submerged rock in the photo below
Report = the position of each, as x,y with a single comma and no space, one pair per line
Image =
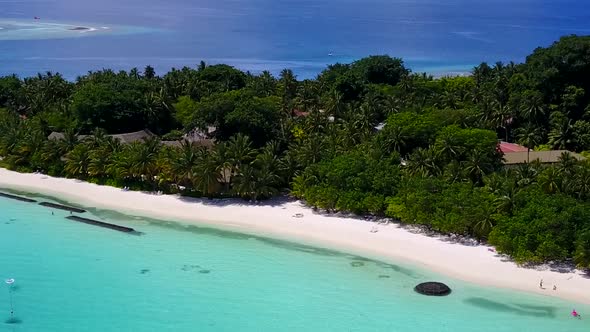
433,288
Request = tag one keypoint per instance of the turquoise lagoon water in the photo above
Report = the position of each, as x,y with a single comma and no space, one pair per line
173,277
28,29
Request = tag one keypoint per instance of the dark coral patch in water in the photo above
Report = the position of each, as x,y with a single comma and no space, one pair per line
204,271
357,264
13,320
513,308
188,267
384,276
144,271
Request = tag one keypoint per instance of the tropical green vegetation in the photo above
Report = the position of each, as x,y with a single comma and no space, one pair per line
368,137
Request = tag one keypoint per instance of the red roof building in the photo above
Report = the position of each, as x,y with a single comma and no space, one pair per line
299,113
506,147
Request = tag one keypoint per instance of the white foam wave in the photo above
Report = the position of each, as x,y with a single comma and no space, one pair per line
88,30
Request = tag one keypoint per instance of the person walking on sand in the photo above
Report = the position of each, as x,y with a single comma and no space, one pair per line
554,287
541,284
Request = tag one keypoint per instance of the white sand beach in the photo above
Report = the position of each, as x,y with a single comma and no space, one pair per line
293,221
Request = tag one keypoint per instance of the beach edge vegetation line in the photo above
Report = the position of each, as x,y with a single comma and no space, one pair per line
368,137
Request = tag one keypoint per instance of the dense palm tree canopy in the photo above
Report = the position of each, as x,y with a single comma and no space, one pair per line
368,138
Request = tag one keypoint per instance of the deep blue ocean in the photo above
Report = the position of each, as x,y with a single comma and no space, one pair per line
439,37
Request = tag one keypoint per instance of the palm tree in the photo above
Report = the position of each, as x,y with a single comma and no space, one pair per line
494,182
207,173
423,162
77,161
288,87
149,72
97,138
395,138
454,172
31,141
550,180
143,159
366,119
567,167
220,155
485,221
11,135
267,162
164,176
266,185
567,163
100,159
481,74
119,166
335,104
582,253
69,141
288,167
477,166
50,154
311,150
526,174
338,139
307,96
113,144
502,117
301,183
264,85
449,147
449,99
581,183
245,182
239,150
407,85
316,122
562,135
529,136
183,163
273,148
267,169
134,73
533,107
505,201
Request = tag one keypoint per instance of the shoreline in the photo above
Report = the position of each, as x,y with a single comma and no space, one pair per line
392,243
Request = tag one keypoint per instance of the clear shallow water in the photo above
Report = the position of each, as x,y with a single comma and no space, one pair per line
31,29
76,277
435,36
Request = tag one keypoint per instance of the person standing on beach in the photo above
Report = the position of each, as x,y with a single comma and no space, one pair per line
541,284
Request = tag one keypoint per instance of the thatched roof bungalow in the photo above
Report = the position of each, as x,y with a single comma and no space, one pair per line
137,136
142,135
206,142
126,138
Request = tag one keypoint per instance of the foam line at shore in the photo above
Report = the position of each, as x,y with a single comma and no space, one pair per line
391,243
